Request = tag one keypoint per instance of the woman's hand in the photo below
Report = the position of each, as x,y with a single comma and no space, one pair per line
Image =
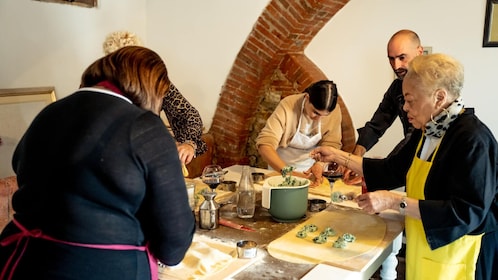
305,175
375,202
186,153
323,153
315,174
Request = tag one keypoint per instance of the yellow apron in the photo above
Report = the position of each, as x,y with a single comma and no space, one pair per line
454,261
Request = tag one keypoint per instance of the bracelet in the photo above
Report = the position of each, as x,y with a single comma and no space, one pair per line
346,161
402,205
191,143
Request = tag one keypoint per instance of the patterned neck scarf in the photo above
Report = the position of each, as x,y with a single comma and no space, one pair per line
440,123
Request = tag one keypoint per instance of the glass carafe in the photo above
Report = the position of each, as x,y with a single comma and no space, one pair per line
246,195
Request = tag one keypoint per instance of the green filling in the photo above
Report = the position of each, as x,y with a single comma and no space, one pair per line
288,179
310,228
301,234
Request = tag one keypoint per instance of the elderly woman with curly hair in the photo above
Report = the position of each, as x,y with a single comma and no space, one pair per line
449,167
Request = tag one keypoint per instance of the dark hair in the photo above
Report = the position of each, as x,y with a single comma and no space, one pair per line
323,95
139,73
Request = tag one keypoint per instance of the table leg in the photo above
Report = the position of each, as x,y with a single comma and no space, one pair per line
388,271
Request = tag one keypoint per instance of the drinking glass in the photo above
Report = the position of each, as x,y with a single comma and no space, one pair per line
212,175
331,171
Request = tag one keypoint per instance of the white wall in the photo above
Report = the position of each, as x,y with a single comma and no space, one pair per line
352,50
199,41
51,44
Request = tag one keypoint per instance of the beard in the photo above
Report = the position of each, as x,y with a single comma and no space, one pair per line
400,73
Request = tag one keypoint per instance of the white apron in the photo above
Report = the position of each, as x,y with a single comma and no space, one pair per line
297,153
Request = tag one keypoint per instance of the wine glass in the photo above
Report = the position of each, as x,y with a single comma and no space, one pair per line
212,175
331,171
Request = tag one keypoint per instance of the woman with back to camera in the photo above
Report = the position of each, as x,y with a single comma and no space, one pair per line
101,192
449,167
298,124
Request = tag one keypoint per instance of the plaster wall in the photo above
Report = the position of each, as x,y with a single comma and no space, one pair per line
47,44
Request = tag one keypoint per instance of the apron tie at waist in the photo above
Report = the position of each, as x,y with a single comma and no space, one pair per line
26,234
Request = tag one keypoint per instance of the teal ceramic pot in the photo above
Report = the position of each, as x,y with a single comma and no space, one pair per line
285,203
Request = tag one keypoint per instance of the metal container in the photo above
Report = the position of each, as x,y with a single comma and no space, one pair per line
258,177
316,205
277,198
209,212
230,186
246,249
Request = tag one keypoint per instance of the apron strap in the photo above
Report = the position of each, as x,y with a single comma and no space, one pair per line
26,235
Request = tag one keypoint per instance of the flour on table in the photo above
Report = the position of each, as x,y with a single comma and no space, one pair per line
201,260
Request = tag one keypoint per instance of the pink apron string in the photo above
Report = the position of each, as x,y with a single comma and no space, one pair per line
36,233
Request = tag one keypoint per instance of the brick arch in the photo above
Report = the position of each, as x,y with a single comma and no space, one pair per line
270,64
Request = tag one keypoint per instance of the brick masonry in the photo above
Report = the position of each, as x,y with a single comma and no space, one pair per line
270,65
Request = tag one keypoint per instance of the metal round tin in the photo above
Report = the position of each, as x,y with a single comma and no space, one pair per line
246,249
317,205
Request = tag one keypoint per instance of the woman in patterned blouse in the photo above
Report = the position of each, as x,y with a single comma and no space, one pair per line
184,119
186,124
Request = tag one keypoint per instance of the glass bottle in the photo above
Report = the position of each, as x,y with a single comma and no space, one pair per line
246,194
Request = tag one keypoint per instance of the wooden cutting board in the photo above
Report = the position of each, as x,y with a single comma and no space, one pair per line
325,190
221,196
368,229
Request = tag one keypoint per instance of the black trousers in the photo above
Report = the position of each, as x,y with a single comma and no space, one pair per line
487,262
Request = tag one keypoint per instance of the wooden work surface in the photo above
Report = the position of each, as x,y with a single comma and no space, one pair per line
267,230
369,231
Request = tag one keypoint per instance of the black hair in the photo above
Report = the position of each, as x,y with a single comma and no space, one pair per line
323,95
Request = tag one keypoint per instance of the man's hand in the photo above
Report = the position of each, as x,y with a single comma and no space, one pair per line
351,178
359,150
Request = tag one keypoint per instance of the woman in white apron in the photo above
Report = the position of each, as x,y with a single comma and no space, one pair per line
300,123
449,167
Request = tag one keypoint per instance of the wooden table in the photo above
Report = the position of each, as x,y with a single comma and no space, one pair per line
267,230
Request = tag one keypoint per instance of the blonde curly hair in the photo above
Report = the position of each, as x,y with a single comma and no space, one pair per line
119,39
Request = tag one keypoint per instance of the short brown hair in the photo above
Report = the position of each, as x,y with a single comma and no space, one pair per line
138,72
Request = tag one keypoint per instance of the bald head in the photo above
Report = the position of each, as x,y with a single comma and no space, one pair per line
403,46
405,35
